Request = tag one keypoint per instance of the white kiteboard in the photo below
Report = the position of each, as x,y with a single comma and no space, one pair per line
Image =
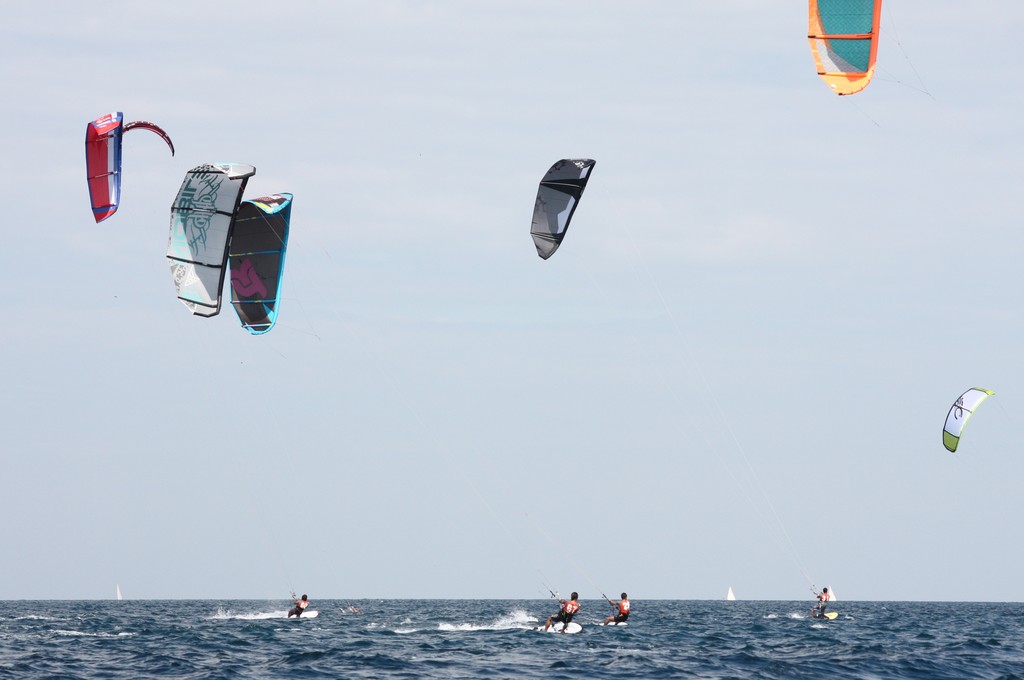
557,628
616,623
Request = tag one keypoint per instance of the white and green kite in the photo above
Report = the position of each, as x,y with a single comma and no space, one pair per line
962,410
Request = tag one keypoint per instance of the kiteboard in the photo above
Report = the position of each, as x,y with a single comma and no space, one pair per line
557,628
305,615
830,616
616,623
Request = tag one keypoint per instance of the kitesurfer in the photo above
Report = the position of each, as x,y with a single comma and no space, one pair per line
823,598
300,606
565,613
623,610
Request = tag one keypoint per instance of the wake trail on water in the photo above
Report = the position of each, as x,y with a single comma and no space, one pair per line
514,620
229,615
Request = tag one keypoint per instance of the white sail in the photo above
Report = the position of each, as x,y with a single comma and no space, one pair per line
832,595
730,595
119,592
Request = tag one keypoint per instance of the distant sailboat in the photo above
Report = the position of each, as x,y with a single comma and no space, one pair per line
730,595
119,592
832,595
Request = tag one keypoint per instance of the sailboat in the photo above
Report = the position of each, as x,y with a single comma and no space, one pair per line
119,592
730,595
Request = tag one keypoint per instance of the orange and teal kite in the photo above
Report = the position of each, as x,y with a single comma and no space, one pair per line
844,39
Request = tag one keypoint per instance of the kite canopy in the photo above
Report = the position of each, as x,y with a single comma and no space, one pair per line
103,164
557,197
202,217
844,39
257,251
103,160
961,411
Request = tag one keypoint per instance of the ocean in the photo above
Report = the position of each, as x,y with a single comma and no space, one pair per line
495,639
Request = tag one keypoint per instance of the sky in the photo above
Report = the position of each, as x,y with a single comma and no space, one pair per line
734,372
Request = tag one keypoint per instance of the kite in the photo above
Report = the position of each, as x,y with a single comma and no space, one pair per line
844,39
202,217
557,197
961,411
256,255
103,160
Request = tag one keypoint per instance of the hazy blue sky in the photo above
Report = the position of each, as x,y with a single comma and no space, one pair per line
734,371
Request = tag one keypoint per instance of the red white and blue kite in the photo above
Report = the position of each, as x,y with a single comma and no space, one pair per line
103,160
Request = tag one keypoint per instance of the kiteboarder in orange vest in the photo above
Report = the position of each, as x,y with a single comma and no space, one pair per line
300,606
823,598
565,614
623,607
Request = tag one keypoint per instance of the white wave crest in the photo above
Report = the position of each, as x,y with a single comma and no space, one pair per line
227,614
37,617
514,619
79,633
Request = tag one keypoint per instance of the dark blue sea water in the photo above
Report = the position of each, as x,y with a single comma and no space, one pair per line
494,639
